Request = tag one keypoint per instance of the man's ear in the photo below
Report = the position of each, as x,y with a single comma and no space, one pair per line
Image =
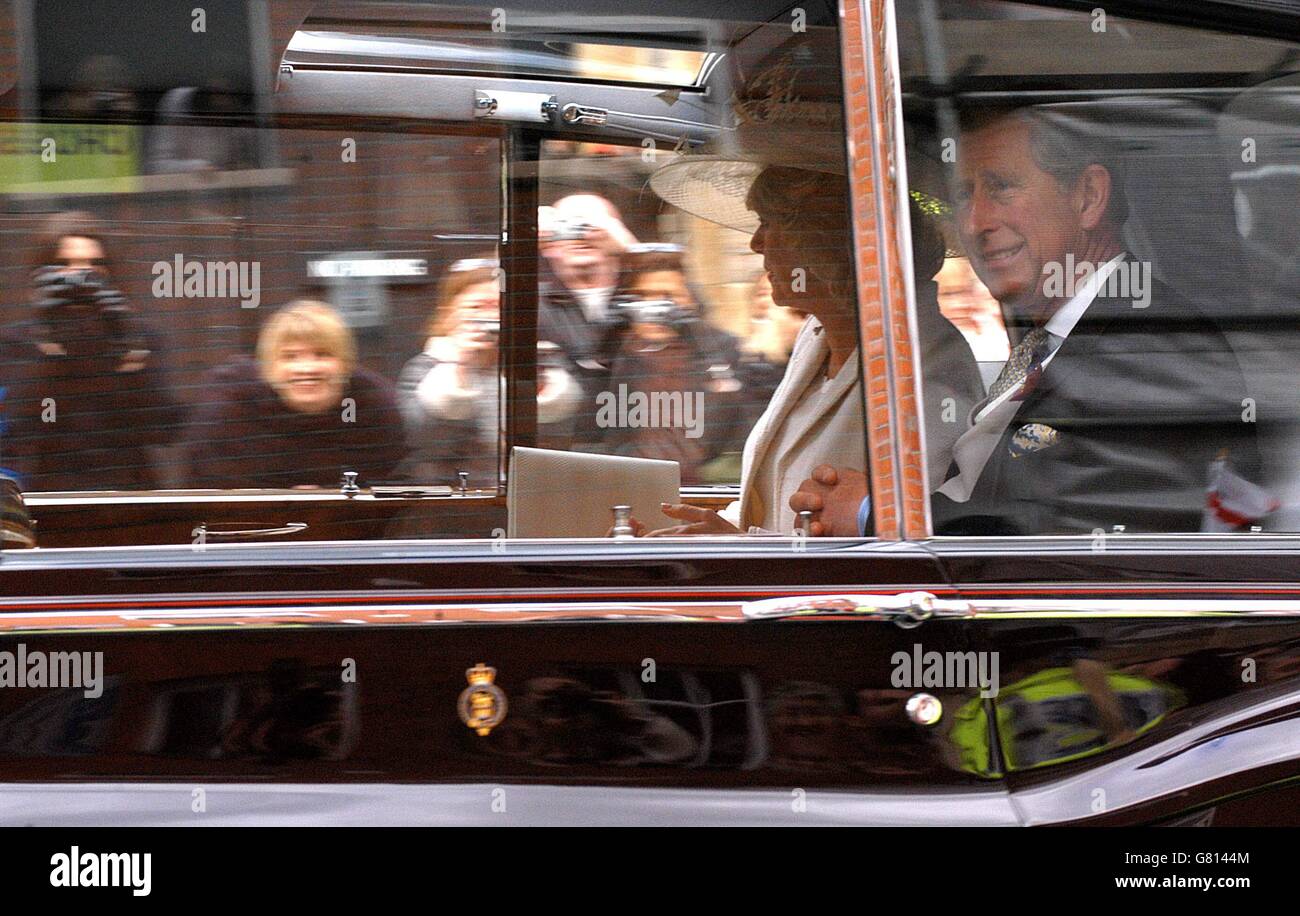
1092,195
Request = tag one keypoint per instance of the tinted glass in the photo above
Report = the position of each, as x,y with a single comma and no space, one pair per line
1112,193
217,287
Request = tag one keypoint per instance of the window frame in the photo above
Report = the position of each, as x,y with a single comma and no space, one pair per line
321,97
1253,18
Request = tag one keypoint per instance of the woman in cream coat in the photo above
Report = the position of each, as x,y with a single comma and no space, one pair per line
780,174
815,416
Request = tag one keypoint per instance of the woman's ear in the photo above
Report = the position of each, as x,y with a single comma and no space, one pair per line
1092,194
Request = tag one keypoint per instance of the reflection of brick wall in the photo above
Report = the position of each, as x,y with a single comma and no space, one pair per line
401,191
285,16
8,46
966,302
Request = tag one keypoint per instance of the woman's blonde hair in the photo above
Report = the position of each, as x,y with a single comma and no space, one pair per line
306,321
450,288
818,204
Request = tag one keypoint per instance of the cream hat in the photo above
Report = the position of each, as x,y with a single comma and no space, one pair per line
787,115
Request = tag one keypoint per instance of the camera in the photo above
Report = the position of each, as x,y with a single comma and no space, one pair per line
648,311
59,286
570,230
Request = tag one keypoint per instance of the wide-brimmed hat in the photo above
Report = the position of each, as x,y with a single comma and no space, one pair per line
787,114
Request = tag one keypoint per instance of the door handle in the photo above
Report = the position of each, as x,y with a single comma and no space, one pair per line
205,531
907,610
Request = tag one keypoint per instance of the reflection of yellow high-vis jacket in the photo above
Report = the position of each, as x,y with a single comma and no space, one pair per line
1049,717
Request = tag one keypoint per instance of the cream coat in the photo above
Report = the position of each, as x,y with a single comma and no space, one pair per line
833,433
830,434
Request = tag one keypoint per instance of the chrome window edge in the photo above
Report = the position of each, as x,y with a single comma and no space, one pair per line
353,552
1112,544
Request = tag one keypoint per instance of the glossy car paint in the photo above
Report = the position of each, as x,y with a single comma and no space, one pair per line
225,668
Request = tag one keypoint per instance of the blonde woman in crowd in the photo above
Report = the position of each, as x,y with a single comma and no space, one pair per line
298,415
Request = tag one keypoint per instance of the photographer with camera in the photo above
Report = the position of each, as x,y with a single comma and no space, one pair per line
450,394
583,240
85,396
664,352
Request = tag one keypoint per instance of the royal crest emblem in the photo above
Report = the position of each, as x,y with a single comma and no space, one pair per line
482,705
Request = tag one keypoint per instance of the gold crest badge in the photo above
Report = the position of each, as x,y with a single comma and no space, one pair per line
482,705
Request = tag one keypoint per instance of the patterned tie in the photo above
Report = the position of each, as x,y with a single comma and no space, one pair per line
1033,348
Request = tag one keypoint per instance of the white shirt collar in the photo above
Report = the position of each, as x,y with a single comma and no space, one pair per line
1059,326
1068,315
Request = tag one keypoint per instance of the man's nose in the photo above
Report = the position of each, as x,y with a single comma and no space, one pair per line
756,241
976,217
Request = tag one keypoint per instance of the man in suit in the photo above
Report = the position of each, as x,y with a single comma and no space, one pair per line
1118,395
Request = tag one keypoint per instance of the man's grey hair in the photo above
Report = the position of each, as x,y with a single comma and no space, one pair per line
1063,148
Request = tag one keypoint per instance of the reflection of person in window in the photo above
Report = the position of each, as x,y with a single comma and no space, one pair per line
182,142
85,397
582,239
667,348
450,393
585,240
300,415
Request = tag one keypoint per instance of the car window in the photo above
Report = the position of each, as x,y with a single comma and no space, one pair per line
694,331
446,238
1097,218
237,337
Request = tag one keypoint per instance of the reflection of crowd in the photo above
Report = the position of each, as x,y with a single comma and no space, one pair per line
626,317
85,403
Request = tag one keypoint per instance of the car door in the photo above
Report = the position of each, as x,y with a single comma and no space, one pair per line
465,676
1146,668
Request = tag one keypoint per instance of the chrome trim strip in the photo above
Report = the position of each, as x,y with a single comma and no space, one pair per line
903,218
1111,544
408,598
1132,608
378,804
125,613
